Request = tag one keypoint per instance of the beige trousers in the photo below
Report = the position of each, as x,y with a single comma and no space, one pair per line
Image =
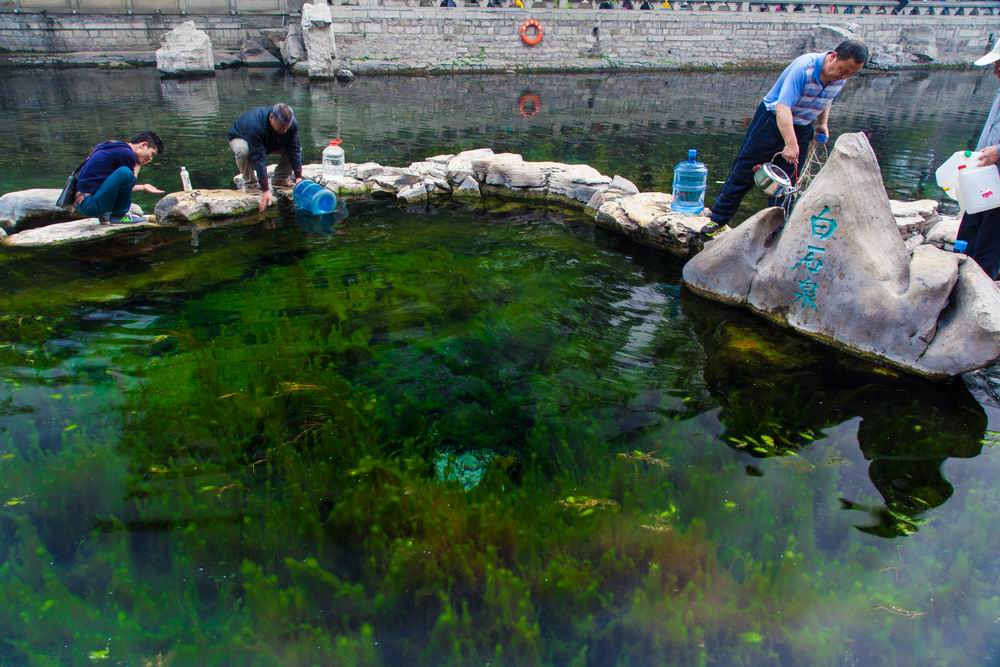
242,151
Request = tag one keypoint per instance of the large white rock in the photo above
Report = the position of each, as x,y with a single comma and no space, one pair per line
76,231
31,207
920,42
839,272
460,166
181,207
185,50
577,183
318,37
648,219
944,232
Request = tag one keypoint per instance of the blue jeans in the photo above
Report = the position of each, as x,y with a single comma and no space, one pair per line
114,197
762,141
982,232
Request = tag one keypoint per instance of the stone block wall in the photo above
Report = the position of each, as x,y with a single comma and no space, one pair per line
477,39
69,33
471,38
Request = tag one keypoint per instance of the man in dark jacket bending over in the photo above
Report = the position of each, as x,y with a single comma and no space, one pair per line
261,131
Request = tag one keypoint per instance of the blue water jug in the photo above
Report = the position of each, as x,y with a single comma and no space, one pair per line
312,197
690,181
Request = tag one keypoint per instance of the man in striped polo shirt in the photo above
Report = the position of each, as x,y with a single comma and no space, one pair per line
796,106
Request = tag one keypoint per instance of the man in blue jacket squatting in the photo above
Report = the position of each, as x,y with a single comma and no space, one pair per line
106,180
796,106
261,131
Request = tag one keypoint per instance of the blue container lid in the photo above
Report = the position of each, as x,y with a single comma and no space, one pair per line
692,154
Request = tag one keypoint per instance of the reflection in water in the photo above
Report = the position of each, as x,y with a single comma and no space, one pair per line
774,390
195,99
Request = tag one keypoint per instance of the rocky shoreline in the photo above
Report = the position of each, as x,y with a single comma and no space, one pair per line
954,297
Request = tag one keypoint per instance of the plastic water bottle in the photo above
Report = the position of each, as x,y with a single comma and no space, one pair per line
313,198
960,246
185,180
690,181
333,160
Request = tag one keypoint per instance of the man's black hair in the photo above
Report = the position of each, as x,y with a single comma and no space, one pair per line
852,49
150,138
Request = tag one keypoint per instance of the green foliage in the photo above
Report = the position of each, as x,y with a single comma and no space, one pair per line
235,465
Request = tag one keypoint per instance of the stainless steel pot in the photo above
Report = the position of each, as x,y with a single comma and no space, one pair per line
772,179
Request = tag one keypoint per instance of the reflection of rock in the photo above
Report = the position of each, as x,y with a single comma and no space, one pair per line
779,393
31,208
318,37
182,207
839,271
192,98
185,50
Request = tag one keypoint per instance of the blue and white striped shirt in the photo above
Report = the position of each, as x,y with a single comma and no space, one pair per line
800,89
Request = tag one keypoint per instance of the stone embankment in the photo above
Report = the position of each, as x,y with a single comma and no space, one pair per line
323,39
850,268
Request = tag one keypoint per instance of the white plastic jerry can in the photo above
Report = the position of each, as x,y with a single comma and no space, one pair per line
980,188
947,174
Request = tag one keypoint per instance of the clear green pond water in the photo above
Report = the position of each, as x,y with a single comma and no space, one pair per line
465,436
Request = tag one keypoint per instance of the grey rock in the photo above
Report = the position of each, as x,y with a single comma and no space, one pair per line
344,75
913,242
185,50
968,334
76,231
469,188
293,48
427,168
624,185
826,37
180,207
460,165
648,219
577,183
944,232
413,193
838,271
886,57
254,54
31,208
318,37
920,43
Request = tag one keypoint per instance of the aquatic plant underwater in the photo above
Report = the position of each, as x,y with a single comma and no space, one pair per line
465,436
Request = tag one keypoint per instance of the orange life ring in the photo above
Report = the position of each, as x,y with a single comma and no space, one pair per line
529,104
534,39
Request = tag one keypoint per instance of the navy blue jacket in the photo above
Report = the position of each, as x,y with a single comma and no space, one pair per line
106,157
254,128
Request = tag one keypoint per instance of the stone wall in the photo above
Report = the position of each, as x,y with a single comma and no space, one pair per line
471,39
465,39
68,33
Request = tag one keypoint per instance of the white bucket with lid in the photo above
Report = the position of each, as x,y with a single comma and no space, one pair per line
980,188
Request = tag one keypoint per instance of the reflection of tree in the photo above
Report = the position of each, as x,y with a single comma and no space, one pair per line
779,391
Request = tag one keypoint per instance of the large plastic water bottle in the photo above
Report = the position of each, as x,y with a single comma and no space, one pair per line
690,181
312,197
333,160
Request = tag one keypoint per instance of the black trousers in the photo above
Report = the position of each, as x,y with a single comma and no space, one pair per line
982,232
761,142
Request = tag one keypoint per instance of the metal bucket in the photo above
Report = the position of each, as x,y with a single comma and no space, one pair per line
772,179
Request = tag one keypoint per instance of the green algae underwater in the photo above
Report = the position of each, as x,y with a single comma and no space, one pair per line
243,453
